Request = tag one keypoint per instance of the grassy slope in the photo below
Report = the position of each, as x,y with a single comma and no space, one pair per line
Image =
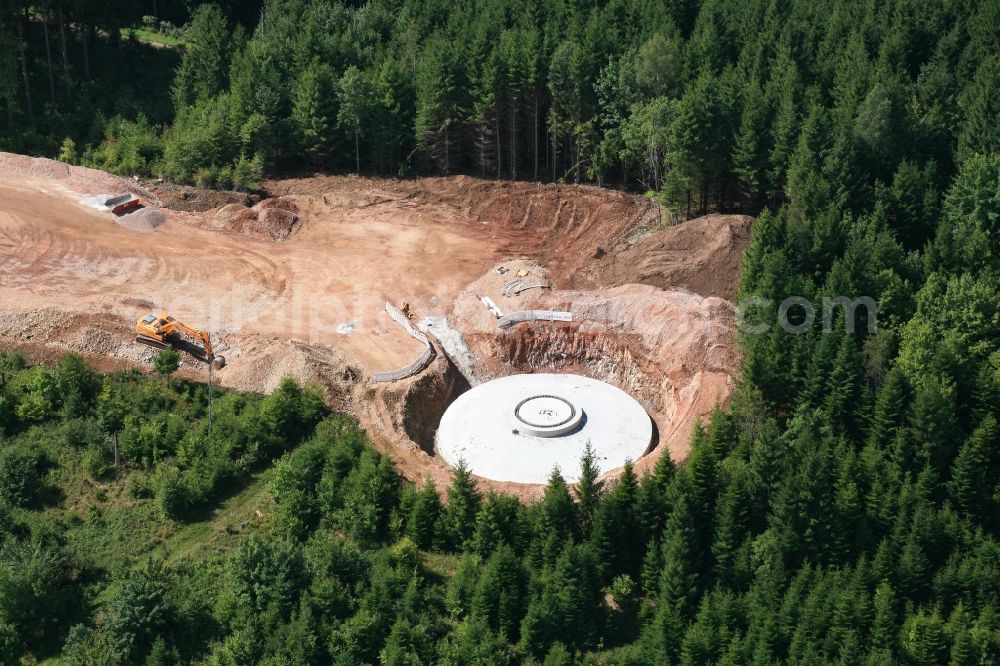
156,39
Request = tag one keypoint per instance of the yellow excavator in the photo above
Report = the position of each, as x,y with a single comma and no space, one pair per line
165,331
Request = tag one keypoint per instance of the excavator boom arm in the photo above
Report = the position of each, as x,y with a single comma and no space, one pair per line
176,326
164,331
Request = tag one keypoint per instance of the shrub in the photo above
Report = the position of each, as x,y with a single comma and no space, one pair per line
167,362
247,172
67,152
97,460
20,480
206,176
129,147
81,433
139,486
7,417
172,493
35,393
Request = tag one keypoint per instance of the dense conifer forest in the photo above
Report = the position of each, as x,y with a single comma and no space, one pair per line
844,508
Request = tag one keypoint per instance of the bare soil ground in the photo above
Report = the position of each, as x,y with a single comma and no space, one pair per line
297,283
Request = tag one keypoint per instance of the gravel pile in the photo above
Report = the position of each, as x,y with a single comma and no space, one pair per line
144,220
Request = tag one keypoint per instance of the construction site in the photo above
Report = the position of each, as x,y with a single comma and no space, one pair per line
548,317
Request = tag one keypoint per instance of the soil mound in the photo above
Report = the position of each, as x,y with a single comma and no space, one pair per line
270,220
196,200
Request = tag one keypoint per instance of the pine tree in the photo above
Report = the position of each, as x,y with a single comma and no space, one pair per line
964,650
462,586
701,487
933,426
424,516
501,596
458,519
313,113
589,491
885,627
405,645
851,533
679,582
843,388
803,512
557,514
732,527
890,410
924,639
652,566
782,92
979,104
604,538
436,114
651,503
985,395
617,536
203,68
750,150
501,520
808,188
969,485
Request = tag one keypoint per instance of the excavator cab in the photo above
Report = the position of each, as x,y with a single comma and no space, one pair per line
164,331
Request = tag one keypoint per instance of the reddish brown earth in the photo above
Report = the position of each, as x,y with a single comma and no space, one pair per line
296,285
198,200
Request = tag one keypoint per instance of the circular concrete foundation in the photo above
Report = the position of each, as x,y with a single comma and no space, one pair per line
518,428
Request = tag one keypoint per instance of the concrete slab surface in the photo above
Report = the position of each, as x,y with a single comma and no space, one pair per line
519,427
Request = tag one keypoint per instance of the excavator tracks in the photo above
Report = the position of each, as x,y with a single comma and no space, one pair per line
182,345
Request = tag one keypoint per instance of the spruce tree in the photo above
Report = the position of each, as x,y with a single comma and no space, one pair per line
890,410
502,519
843,388
313,114
557,514
589,491
652,567
885,627
732,527
424,516
679,580
458,518
750,150
969,485
501,596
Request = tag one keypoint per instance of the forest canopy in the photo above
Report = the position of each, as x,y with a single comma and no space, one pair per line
716,104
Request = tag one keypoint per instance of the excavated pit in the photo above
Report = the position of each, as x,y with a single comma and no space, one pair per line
427,401
562,349
312,305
